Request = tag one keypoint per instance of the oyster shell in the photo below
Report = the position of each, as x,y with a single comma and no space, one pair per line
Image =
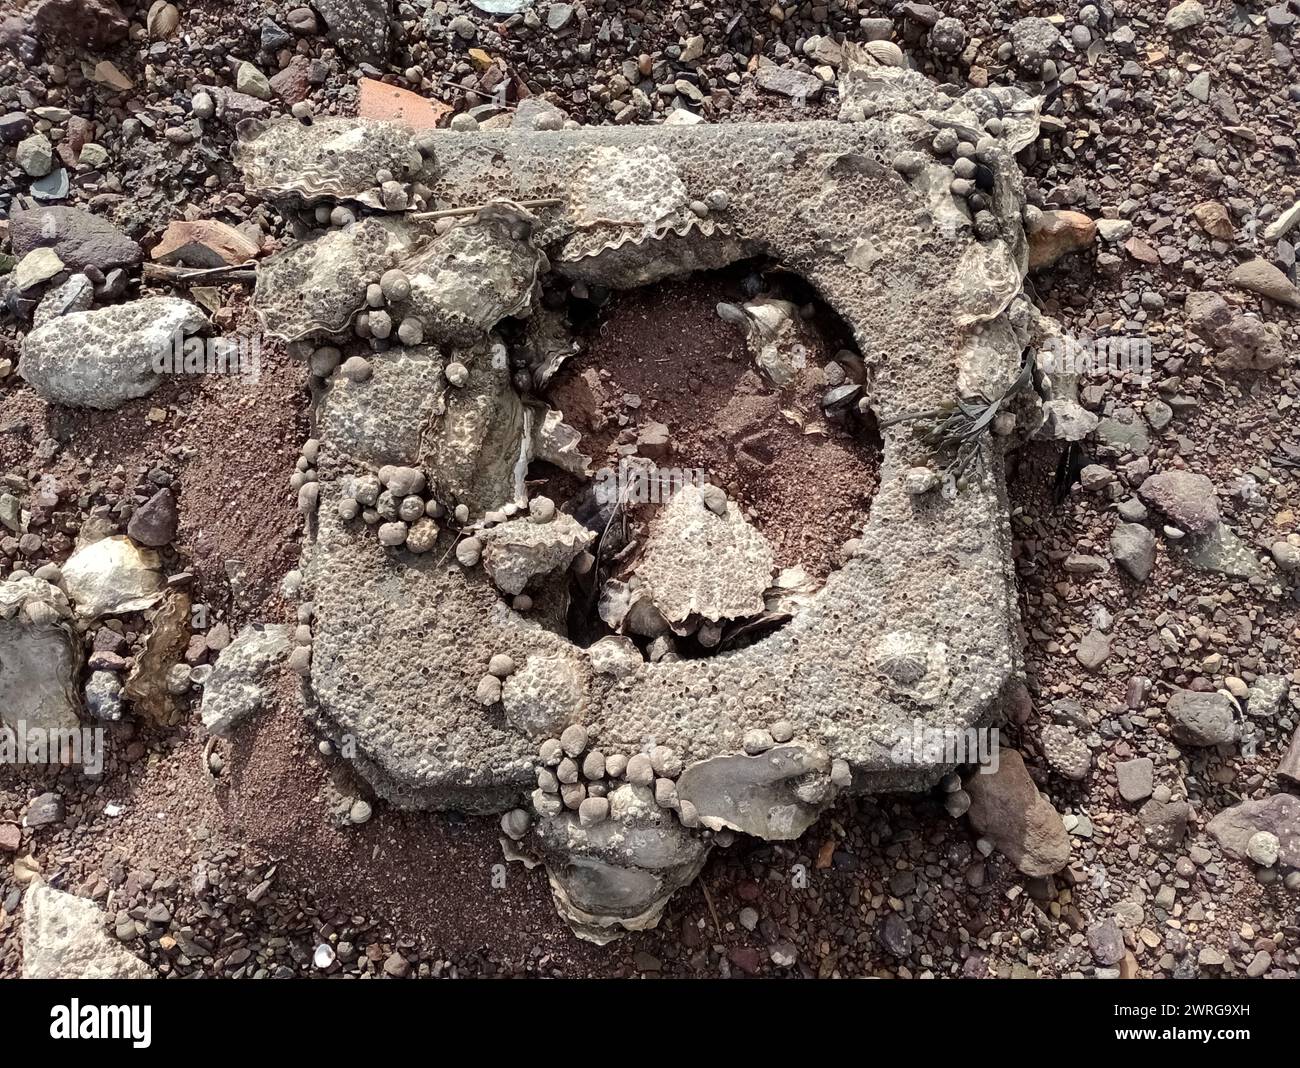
332,159
318,286
480,271
620,202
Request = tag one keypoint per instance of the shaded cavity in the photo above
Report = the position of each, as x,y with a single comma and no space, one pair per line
662,378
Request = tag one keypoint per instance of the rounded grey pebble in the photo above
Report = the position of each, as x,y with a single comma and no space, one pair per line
488,691
366,489
325,361
593,810
551,752
640,772
757,741
300,660
515,823
393,196
501,665
541,509
50,573
410,331
403,481
360,812
574,739
468,552
392,534
178,678
357,369
909,164
546,804
593,765
567,771
203,106
714,498
426,141
457,374
665,761
945,142
615,765
1263,848
547,781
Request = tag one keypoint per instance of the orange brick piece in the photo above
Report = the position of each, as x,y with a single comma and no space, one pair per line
381,101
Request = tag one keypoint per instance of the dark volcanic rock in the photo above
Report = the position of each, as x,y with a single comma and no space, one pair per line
154,522
80,239
91,23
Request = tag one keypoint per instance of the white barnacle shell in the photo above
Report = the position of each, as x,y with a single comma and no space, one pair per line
912,666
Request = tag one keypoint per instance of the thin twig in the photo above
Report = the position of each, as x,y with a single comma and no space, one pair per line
479,92
600,544
240,272
708,900
452,213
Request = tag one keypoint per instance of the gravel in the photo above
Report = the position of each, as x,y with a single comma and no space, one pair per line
1136,140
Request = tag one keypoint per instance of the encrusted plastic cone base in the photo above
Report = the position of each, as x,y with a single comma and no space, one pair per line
915,632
